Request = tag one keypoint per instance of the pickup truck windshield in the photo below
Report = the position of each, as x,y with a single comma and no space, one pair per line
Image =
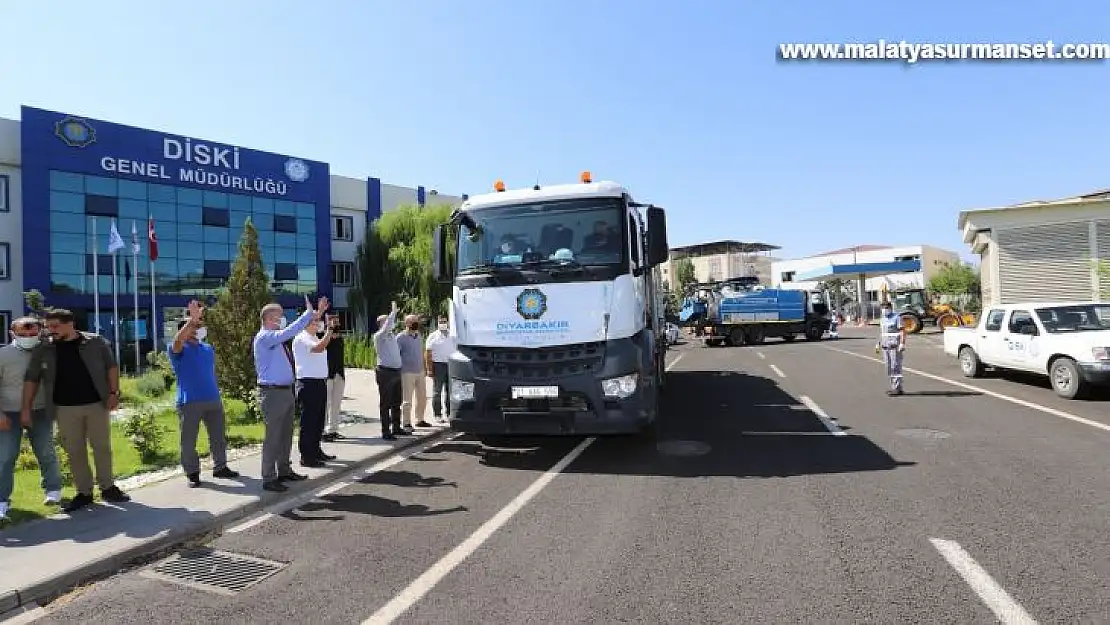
1075,318
567,232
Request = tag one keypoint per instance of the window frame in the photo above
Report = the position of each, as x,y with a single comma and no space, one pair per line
5,193
335,269
1001,320
350,227
6,259
6,318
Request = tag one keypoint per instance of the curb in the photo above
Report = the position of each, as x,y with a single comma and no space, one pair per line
42,592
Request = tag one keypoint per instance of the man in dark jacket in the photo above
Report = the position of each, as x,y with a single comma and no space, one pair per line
337,380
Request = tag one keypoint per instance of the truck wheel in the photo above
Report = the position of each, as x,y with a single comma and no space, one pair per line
755,336
970,363
736,337
911,323
813,332
1065,377
713,342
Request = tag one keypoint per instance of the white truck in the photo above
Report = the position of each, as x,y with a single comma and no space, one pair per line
1068,342
557,308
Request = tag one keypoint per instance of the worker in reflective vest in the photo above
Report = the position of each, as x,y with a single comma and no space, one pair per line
892,343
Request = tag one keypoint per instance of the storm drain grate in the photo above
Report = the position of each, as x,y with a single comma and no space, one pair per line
215,571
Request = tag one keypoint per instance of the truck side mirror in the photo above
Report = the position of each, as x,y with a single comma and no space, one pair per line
658,251
440,271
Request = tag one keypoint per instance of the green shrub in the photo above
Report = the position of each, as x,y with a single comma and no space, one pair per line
63,459
160,363
145,433
358,351
26,460
152,384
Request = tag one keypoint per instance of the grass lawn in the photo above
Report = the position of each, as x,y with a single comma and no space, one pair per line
27,496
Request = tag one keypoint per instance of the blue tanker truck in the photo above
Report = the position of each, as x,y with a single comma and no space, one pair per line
741,312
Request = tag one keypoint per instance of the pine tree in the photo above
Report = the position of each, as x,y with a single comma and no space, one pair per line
233,322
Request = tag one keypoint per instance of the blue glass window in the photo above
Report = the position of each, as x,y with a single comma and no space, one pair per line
236,219
187,268
65,181
133,209
188,214
167,248
161,193
68,243
217,251
266,239
306,211
240,203
283,223
167,231
285,271
285,254
306,274
61,202
306,257
192,197
68,263
214,199
104,267
282,207
306,241
190,232
282,239
163,212
215,217
307,226
101,186
217,269
262,206
101,206
67,283
132,189
63,222
263,222
213,234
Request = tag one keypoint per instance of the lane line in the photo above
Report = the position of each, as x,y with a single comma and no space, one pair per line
761,355
1013,400
673,362
428,580
1005,608
831,426
282,507
789,433
777,371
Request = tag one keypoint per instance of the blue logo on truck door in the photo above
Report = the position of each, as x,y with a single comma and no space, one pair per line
531,304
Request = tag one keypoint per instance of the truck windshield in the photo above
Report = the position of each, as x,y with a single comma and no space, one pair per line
1075,317
580,232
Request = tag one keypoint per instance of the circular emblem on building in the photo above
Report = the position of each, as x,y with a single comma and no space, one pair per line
296,170
531,304
75,132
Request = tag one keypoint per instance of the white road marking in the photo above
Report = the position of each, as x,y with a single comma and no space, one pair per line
790,433
673,362
428,580
1013,400
761,355
831,426
292,504
777,371
1005,608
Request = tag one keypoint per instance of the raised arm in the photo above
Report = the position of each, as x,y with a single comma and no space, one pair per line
389,322
271,337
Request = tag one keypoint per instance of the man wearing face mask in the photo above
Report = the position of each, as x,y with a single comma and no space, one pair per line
892,343
337,379
273,362
79,377
387,374
437,350
198,397
311,360
413,388
14,359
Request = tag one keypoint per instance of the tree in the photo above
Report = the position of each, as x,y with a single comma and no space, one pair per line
35,302
684,274
233,321
955,279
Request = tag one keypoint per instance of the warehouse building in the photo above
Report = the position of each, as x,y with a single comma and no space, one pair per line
724,260
66,179
1042,250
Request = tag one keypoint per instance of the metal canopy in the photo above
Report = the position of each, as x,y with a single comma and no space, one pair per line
721,247
858,270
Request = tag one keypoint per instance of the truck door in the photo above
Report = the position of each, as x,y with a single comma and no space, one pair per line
991,345
1019,341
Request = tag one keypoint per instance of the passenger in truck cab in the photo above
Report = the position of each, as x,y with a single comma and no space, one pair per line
603,240
508,250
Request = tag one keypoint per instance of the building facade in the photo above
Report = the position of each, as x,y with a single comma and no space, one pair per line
70,184
723,260
1042,251
926,260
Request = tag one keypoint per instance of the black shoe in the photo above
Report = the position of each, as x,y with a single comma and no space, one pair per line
388,437
423,424
325,457
312,464
292,477
114,495
275,486
225,473
194,479
402,432
333,436
80,500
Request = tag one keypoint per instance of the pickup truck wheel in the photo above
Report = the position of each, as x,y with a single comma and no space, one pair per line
1065,377
970,363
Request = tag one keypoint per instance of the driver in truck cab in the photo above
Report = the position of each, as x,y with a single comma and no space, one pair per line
603,240
892,343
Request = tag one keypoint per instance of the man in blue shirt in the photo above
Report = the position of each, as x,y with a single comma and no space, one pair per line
198,397
274,364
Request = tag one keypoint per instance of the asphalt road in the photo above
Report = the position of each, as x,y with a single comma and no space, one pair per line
946,505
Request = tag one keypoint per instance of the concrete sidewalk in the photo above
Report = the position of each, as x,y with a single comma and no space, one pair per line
41,559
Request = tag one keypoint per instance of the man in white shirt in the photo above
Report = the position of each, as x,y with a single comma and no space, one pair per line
387,374
437,349
310,358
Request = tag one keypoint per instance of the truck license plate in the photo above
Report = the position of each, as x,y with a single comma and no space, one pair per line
533,392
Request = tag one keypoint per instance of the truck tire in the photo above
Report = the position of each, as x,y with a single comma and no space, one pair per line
713,342
813,332
755,336
970,364
736,337
911,322
1065,378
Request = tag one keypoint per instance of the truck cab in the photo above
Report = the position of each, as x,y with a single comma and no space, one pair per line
1069,342
557,309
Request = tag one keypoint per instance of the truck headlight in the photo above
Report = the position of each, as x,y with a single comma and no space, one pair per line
619,387
462,391
1101,353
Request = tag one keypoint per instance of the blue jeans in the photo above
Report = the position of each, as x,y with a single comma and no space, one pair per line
41,435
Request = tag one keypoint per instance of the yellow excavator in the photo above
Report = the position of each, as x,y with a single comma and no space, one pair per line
917,307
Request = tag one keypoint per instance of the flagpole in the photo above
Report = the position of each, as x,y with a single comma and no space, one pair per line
152,253
115,293
135,282
96,280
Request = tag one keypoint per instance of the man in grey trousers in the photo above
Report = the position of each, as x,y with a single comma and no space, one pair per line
198,397
273,361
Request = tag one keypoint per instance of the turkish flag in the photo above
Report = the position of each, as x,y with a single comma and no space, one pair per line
152,239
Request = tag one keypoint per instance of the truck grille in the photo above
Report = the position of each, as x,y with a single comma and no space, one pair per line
539,363
572,402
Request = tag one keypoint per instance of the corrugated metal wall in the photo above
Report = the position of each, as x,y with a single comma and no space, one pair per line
1049,262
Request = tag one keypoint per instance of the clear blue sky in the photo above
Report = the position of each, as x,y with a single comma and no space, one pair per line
682,102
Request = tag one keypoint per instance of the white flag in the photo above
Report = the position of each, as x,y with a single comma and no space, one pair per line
134,239
115,241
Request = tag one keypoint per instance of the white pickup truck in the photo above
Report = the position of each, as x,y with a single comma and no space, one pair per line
1068,342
